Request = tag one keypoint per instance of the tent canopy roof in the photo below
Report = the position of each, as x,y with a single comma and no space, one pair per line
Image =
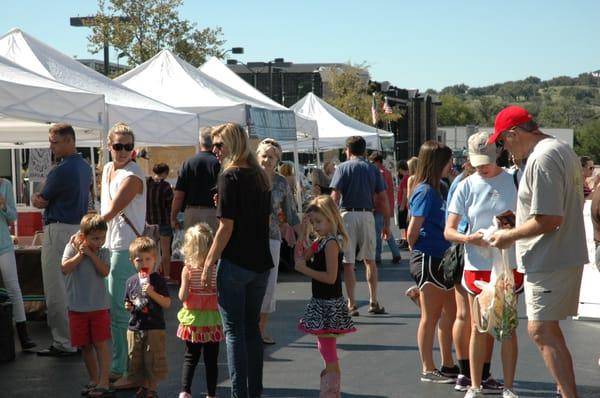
334,126
29,96
151,120
218,71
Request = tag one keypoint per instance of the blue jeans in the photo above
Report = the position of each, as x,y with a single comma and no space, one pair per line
240,293
391,241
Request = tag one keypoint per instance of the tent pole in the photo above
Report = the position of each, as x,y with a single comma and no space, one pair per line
104,137
297,179
13,172
94,185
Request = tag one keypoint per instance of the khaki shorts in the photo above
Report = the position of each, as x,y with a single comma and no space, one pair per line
360,227
552,296
147,355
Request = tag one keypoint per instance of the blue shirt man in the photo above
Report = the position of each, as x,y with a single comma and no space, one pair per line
65,200
358,189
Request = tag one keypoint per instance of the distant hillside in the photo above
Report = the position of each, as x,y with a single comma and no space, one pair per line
561,102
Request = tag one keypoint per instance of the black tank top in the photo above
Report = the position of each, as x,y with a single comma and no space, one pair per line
318,263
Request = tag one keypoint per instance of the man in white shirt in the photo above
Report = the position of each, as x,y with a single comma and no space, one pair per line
550,235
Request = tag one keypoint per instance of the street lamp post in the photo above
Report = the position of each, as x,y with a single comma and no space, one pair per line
89,21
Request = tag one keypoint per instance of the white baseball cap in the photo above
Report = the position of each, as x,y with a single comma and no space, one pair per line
480,152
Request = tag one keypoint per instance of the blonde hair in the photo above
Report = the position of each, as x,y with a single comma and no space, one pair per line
91,223
285,169
142,244
196,243
324,205
267,144
120,128
412,165
236,141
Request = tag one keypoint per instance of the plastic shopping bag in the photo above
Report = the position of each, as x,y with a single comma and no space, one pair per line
495,308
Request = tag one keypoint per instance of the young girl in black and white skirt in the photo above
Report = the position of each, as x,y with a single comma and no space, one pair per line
326,315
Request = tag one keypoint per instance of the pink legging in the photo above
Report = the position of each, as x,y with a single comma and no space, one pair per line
327,348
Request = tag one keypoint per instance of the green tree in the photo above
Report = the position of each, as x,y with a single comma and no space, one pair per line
455,112
152,25
587,140
346,89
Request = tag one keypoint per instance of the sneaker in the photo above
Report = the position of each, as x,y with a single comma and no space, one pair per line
450,372
491,385
184,394
462,383
434,376
506,393
473,392
396,260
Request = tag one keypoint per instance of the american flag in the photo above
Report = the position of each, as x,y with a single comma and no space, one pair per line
374,113
386,107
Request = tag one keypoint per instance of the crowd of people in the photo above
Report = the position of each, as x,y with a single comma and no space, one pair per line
106,275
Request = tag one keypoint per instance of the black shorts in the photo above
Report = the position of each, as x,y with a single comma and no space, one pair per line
425,269
402,220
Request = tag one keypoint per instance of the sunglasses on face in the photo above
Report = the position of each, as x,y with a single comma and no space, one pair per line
218,145
119,147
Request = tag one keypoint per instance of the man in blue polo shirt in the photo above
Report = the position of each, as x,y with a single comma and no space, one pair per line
358,189
65,200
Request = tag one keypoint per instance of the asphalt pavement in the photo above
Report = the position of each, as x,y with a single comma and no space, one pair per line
380,360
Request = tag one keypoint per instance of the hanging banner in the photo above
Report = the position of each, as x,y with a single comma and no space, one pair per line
40,163
265,123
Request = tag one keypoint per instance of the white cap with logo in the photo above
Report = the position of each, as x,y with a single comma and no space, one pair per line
480,152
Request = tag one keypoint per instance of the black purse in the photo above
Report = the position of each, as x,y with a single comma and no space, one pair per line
453,263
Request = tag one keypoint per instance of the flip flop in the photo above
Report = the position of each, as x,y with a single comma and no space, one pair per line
127,386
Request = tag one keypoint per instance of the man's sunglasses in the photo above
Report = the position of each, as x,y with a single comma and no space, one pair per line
119,147
500,139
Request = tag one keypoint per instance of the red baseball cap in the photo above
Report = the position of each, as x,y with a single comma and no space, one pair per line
508,118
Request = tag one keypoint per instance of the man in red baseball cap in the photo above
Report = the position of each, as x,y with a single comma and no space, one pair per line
549,235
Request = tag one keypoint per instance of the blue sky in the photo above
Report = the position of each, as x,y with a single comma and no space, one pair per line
416,44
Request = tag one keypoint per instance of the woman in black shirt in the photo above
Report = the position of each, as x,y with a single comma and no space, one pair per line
242,245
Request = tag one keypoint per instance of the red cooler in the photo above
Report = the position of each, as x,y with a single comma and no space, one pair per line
29,221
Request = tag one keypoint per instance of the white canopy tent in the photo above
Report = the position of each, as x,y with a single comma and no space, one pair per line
305,127
173,81
154,123
28,102
334,126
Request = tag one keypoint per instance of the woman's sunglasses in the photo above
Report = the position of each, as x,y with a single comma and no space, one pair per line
218,145
119,147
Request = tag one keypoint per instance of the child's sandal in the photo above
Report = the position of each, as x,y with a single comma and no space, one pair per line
141,392
87,388
101,392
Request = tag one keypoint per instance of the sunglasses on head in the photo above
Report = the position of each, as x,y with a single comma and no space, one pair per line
218,145
119,147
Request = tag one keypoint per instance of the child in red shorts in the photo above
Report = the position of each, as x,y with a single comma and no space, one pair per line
85,264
